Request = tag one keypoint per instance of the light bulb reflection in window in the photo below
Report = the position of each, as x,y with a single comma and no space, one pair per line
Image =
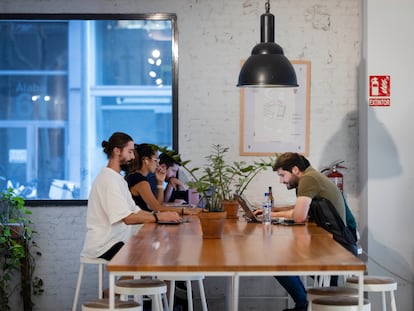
152,74
156,53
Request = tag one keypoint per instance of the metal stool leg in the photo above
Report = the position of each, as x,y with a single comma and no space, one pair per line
202,295
172,293
393,304
189,295
78,284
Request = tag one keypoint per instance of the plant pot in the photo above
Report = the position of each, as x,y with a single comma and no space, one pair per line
212,224
232,208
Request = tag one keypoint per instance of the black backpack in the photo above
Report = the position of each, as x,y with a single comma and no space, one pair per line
325,215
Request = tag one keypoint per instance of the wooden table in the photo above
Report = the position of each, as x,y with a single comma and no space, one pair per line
246,249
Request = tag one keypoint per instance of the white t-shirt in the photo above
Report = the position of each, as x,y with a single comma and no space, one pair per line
109,202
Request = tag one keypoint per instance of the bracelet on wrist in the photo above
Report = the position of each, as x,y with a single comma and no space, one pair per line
154,213
160,186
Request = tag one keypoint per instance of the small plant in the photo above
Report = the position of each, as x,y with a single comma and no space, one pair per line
221,179
17,251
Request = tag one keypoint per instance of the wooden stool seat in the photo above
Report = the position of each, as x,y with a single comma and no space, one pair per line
144,287
333,291
150,284
339,303
318,292
374,283
377,284
103,304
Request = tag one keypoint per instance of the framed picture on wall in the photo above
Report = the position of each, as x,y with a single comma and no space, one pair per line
276,120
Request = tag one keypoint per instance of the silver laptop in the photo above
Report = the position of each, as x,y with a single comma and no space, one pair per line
248,209
249,213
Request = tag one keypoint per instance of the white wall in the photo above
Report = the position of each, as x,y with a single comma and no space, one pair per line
214,36
387,148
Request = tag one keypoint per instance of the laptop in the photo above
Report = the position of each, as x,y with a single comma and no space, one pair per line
249,213
247,208
181,221
173,204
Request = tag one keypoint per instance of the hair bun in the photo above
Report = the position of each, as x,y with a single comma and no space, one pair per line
104,144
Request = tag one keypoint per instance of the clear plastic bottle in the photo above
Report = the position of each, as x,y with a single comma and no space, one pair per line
266,209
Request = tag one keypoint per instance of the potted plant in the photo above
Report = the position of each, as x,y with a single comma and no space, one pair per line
225,179
220,180
17,251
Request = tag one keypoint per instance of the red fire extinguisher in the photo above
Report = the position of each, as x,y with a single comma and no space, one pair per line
334,175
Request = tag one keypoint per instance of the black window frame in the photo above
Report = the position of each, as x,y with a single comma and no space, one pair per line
118,16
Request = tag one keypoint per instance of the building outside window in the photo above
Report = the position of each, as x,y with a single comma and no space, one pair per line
67,84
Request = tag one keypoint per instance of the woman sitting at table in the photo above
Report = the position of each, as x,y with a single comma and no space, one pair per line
145,162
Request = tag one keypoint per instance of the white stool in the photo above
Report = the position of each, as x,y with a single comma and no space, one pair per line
334,291
187,279
103,304
339,303
95,261
377,284
144,287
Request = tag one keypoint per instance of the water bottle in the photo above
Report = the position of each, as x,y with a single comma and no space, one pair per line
266,209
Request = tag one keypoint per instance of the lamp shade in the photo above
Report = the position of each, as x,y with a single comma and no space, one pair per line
267,66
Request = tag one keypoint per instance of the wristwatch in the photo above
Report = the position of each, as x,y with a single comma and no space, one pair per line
154,213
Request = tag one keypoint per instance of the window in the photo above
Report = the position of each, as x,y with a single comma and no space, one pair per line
68,83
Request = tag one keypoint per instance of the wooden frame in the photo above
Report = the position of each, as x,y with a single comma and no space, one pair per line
276,120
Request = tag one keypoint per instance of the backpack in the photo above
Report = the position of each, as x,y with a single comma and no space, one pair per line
325,215
350,220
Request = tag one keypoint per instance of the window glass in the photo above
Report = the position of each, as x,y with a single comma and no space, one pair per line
68,84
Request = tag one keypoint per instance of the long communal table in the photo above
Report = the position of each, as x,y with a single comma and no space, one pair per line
246,249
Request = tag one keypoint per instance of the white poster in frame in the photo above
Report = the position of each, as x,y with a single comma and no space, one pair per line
276,120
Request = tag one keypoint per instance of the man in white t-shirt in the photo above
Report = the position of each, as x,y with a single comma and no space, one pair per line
111,209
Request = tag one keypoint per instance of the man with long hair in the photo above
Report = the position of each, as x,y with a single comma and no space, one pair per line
111,209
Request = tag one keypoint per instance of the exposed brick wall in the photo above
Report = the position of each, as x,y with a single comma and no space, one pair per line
214,36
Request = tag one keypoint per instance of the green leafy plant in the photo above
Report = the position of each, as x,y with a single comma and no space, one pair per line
220,179
17,248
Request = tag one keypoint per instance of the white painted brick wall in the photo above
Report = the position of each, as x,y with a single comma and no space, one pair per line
214,36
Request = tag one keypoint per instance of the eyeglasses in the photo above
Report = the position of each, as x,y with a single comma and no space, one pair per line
155,159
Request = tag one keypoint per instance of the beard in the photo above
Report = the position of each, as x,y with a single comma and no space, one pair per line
293,182
125,165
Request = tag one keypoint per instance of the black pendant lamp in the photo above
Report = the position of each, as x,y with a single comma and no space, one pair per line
267,66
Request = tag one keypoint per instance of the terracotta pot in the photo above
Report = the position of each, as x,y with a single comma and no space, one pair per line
232,208
212,224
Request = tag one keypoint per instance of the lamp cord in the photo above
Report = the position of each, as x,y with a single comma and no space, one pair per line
267,6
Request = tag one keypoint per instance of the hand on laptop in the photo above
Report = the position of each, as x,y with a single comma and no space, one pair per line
168,216
257,211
